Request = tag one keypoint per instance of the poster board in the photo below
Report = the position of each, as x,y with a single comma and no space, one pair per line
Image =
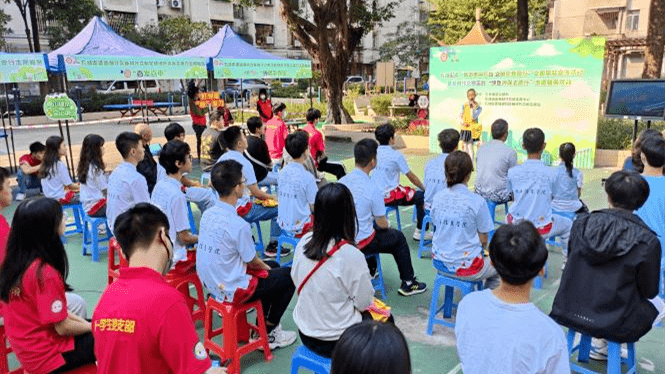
122,68
385,74
22,68
554,85
225,68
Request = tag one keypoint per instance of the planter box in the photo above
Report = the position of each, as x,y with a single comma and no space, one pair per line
611,158
412,141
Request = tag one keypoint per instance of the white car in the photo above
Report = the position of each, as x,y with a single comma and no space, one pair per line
354,79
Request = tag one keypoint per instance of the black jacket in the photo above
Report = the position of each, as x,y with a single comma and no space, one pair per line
148,168
613,270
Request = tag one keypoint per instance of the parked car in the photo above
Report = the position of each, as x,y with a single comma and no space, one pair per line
288,82
249,86
131,87
354,79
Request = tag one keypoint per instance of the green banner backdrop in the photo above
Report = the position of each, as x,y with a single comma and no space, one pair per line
21,68
246,68
554,85
110,68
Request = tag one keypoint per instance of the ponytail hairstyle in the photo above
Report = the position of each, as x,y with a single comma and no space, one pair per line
51,156
567,154
458,166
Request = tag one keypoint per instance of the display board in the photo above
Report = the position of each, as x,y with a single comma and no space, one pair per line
554,85
636,99
209,98
116,68
22,68
261,68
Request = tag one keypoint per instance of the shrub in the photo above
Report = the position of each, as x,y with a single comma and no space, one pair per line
618,134
381,104
292,91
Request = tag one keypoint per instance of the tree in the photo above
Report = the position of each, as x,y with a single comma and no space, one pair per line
522,20
4,30
331,35
453,19
410,44
653,60
23,10
170,35
149,36
66,18
32,8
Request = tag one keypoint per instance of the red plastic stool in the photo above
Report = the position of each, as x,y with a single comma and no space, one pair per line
235,329
181,281
113,266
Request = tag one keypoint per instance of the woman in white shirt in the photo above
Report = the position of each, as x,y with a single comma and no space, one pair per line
568,186
91,174
462,223
332,297
56,182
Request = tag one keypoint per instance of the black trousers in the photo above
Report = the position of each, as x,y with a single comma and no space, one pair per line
275,292
419,201
392,242
198,130
333,168
83,354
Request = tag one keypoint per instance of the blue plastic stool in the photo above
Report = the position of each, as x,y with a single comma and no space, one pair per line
538,280
192,222
423,242
205,178
441,280
377,282
286,238
396,210
91,237
614,360
77,225
258,239
492,207
304,358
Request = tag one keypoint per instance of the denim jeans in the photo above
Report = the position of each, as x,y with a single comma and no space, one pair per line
27,182
261,213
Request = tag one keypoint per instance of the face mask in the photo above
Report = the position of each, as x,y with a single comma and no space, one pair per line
284,114
169,262
263,97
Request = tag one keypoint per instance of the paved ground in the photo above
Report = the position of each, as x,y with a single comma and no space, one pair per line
430,354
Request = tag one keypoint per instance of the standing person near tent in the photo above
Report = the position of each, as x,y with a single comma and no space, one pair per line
198,115
264,106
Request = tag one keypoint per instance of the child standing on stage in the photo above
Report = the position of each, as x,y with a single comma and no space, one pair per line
471,129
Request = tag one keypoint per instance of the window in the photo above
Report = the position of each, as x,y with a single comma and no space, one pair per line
121,20
264,34
611,19
151,84
633,20
218,25
238,12
267,2
132,85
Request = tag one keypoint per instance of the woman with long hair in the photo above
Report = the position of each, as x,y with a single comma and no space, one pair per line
568,186
331,296
264,106
56,182
45,336
92,176
198,115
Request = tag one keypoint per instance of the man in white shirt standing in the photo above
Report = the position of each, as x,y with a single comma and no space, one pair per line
296,188
495,158
389,164
371,211
126,187
532,184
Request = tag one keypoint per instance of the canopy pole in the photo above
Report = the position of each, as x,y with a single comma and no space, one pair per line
71,155
242,104
11,126
4,129
62,135
309,93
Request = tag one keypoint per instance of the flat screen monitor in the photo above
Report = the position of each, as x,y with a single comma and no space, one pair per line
637,98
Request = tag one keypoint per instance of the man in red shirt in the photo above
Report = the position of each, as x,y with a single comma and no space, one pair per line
142,324
317,146
28,167
276,133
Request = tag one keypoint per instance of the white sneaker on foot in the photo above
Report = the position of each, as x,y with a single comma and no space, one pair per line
599,350
417,234
279,338
20,196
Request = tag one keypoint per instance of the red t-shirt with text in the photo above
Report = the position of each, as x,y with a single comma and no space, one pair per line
28,159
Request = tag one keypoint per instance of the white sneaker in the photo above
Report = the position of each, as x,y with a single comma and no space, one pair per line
417,234
20,196
279,338
598,350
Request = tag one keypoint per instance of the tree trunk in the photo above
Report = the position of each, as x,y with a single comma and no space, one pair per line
334,75
653,59
35,27
522,20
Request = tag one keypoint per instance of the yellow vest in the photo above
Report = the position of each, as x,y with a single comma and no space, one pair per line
470,123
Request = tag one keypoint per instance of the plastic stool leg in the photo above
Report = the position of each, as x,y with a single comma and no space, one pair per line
585,348
399,220
433,306
613,358
95,242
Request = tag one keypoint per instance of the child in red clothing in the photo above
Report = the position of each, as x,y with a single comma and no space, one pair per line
28,168
276,133
5,201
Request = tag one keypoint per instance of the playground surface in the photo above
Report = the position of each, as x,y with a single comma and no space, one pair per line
429,354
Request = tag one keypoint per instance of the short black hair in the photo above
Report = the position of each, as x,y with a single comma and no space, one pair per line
518,252
138,226
296,143
448,140
499,128
653,148
533,140
312,114
278,107
229,137
384,133
253,124
457,166
174,150
225,176
627,190
4,174
365,151
126,141
173,130
37,147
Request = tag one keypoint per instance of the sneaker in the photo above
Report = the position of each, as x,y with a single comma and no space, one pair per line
20,196
102,231
279,338
412,287
271,250
563,263
598,350
418,233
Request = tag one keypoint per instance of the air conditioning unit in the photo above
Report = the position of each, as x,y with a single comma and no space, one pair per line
161,3
176,4
270,40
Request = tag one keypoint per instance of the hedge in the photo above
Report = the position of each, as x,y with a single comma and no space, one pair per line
618,134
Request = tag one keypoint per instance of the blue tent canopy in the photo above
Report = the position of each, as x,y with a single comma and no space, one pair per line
98,39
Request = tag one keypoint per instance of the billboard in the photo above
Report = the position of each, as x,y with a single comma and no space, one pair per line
112,68
554,85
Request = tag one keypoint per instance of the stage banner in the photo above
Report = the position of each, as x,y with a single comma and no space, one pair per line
22,68
112,68
554,85
247,69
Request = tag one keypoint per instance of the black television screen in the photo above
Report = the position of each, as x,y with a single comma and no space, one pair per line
636,98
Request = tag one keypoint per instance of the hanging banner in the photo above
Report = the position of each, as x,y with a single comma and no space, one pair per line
59,107
248,68
116,68
22,67
554,85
